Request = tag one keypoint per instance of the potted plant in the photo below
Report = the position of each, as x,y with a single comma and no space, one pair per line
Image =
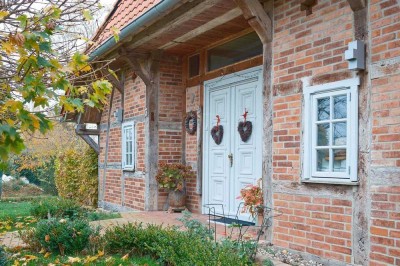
173,177
253,200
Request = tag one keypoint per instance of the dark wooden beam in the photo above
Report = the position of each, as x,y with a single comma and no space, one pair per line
307,6
258,19
357,5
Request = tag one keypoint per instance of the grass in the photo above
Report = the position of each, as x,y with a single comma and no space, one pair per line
33,259
15,215
14,209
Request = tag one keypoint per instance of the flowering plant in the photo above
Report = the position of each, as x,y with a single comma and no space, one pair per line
173,176
252,196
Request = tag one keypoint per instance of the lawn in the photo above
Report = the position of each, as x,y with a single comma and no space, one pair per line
17,215
14,209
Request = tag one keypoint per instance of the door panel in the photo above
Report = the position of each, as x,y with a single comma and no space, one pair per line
217,159
229,97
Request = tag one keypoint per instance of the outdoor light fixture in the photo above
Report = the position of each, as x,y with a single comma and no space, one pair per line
118,114
355,55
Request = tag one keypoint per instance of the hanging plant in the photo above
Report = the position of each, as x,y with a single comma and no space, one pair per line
191,116
217,132
245,128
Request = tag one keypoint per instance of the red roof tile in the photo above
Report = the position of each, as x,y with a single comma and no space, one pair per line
124,12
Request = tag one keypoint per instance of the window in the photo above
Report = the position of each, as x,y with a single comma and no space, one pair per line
331,132
234,51
128,146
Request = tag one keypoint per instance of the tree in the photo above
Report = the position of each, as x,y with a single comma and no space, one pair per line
42,66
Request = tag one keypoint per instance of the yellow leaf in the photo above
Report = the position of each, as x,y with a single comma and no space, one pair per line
125,257
115,31
73,260
3,14
30,257
47,255
100,253
36,124
42,251
86,14
8,47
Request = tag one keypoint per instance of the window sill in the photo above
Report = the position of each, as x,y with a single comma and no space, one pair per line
128,169
327,182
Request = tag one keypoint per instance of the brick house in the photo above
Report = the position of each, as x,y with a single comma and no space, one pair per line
325,125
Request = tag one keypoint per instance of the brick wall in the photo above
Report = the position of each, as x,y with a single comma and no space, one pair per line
170,115
116,179
316,219
385,148
385,225
317,225
192,104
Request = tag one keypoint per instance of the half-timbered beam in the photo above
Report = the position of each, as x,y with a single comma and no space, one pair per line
357,5
258,19
307,6
114,81
171,21
228,16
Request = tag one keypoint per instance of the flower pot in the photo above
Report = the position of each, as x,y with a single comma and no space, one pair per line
177,199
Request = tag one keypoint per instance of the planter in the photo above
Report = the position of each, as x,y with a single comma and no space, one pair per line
177,199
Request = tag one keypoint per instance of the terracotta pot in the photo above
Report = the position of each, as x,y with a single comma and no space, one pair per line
177,199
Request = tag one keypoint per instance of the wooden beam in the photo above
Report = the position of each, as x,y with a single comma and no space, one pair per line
258,19
171,21
93,144
228,16
357,5
307,6
140,67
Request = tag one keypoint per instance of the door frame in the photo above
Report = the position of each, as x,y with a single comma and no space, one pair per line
213,84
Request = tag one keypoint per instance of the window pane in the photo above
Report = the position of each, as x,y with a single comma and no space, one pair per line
130,159
194,65
339,133
323,109
323,160
339,162
237,50
340,106
323,134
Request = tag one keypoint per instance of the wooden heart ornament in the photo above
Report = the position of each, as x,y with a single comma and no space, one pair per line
245,129
217,133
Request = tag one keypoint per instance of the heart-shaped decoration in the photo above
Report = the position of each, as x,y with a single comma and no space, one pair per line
217,133
245,129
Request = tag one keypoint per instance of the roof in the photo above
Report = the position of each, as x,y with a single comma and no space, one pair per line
124,12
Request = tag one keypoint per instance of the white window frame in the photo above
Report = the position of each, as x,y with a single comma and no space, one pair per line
311,94
125,166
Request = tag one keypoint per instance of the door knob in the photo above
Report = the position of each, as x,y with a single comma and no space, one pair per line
230,156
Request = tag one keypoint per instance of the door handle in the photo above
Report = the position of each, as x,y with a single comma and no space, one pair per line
230,156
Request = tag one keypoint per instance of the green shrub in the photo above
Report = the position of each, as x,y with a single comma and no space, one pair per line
171,246
3,257
76,176
64,236
55,207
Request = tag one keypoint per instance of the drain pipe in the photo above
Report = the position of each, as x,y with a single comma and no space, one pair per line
154,13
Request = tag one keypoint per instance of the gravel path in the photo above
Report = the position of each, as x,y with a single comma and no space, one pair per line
286,257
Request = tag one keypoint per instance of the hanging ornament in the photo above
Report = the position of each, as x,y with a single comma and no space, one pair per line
245,128
217,132
191,116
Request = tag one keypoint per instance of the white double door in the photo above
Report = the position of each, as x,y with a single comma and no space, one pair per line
233,164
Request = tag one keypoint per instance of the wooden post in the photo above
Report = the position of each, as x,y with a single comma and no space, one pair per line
148,71
259,17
